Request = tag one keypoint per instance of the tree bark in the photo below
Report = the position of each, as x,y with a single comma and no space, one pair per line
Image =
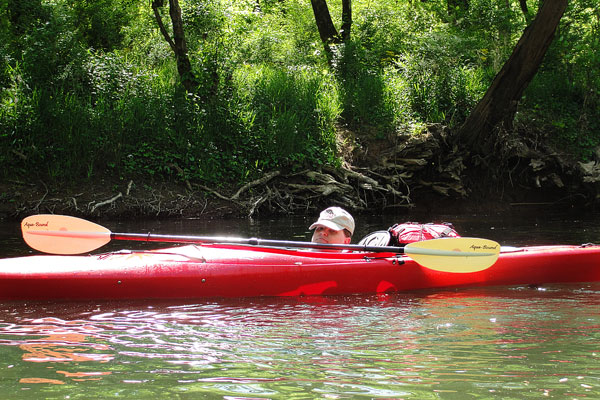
325,25
499,104
524,9
178,43
346,19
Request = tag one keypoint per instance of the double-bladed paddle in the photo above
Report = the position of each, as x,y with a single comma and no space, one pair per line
61,234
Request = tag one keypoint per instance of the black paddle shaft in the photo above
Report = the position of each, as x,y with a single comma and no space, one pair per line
150,237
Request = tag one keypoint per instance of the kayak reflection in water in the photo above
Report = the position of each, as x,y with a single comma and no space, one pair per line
334,226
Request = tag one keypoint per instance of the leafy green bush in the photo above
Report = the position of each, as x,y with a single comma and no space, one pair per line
564,95
92,88
284,118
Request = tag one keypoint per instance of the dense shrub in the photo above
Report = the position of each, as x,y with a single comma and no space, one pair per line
91,88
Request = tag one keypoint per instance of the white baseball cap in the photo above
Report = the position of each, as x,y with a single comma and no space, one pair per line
335,218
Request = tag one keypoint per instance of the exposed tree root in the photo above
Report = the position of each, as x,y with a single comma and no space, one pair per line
93,207
396,173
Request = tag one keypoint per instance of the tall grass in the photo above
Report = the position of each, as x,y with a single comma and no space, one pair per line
289,114
131,122
268,97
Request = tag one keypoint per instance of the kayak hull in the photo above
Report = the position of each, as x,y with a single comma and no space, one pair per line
208,271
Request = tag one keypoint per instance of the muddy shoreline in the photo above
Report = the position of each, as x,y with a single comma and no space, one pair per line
168,201
165,200
393,175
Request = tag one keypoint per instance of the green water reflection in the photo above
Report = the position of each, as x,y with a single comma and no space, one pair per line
505,343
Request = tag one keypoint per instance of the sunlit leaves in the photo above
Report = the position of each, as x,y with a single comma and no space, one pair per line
96,79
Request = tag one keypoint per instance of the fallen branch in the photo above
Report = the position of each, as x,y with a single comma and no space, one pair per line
109,201
37,206
181,173
219,195
257,182
129,188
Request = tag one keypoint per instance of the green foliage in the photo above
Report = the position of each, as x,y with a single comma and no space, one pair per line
91,87
76,134
564,96
5,38
441,83
290,113
100,22
272,119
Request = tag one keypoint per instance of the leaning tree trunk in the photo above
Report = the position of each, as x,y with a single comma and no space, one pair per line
324,22
327,31
499,104
178,43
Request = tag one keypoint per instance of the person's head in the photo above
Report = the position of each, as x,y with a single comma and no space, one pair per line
335,226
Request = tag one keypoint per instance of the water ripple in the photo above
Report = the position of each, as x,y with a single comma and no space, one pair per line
512,343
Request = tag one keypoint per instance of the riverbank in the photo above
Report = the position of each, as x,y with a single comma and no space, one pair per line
395,174
130,200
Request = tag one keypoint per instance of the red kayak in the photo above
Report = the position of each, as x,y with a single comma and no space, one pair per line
234,267
233,270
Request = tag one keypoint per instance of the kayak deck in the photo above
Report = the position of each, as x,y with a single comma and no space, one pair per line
201,271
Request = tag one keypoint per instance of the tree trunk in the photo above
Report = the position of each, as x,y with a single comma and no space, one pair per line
177,43
499,104
325,25
524,9
346,19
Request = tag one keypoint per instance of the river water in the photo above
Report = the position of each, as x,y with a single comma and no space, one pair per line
505,342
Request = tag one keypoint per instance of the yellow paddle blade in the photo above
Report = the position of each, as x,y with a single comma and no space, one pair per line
454,254
61,234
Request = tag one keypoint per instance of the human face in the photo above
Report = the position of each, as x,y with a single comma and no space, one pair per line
323,234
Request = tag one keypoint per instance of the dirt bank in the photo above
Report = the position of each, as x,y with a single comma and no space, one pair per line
391,174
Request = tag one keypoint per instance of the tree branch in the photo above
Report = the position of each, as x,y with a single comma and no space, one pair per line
155,6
